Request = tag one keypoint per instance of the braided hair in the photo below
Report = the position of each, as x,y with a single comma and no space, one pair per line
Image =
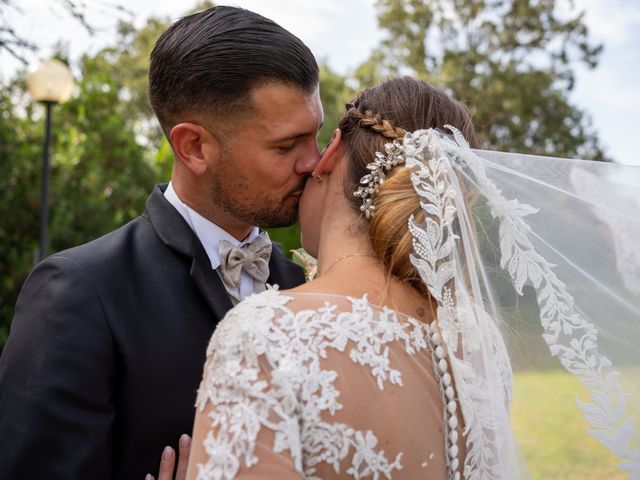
371,121
387,112
377,116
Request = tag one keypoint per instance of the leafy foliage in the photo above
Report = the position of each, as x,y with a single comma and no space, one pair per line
20,152
511,61
101,171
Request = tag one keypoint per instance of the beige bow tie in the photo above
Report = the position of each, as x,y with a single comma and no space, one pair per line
253,258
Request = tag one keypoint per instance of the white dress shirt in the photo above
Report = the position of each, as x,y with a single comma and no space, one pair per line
210,235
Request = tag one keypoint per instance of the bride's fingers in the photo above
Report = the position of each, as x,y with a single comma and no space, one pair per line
183,456
167,463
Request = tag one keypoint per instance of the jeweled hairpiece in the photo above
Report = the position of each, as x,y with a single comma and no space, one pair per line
379,168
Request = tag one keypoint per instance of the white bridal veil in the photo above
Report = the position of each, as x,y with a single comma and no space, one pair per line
535,266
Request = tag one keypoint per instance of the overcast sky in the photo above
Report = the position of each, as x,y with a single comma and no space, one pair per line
344,32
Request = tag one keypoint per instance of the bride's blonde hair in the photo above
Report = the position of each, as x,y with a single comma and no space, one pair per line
377,116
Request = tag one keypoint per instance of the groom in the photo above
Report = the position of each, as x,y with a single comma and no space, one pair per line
108,341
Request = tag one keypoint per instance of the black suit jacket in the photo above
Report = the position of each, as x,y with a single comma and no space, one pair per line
106,350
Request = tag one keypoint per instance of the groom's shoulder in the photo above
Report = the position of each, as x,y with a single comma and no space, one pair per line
110,243
120,247
137,238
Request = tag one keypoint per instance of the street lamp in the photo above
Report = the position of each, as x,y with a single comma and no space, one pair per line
49,83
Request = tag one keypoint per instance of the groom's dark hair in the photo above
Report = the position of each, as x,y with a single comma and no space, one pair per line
208,63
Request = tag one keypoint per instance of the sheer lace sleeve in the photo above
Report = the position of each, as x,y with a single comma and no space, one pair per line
319,387
239,396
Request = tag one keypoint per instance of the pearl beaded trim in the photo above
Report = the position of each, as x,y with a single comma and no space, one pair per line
450,402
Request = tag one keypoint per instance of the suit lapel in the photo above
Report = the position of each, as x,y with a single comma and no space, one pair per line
210,284
177,235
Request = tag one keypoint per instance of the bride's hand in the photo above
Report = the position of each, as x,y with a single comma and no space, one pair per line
168,459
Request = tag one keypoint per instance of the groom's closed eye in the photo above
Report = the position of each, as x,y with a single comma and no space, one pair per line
286,147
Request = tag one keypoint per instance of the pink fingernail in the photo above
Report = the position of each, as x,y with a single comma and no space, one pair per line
167,453
185,441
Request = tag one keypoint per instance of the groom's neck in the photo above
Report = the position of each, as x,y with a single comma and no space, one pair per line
198,202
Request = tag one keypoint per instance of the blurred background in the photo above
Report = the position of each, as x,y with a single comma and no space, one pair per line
549,77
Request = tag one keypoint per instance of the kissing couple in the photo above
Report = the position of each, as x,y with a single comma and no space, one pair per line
396,361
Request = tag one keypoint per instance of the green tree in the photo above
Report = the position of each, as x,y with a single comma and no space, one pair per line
335,92
20,156
100,174
511,61
127,63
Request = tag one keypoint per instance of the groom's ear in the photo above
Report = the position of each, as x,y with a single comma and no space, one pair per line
336,149
194,146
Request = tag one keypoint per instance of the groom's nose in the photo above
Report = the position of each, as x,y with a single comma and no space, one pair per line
308,161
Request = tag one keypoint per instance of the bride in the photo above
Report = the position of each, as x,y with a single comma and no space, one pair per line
435,265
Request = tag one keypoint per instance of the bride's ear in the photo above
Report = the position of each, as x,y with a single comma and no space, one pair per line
331,155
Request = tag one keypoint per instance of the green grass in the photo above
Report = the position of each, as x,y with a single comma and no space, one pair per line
551,430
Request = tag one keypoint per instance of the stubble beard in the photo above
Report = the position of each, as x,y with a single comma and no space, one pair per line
262,210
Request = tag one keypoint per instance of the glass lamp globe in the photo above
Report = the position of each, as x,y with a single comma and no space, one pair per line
51,81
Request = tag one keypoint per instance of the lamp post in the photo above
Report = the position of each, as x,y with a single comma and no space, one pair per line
50,83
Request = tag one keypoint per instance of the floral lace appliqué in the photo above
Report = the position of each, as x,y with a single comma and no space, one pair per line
264,370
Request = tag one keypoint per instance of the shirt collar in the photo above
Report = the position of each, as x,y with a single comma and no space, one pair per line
208,232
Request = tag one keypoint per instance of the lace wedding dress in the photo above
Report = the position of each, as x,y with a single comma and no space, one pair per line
534,267
318,386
